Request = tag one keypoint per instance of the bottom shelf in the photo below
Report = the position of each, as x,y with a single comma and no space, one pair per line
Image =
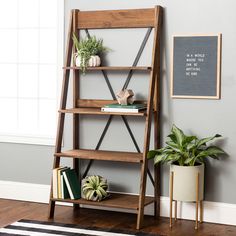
115,200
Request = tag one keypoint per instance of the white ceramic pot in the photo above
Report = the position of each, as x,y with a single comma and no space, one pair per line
92,62
184,182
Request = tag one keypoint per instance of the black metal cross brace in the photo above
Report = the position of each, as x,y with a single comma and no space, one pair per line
130,74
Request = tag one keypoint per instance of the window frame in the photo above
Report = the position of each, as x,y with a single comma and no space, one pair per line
41,139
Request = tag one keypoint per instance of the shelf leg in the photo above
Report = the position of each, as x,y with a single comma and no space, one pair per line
171,196
51,208
76,166
157,191
201,211
142,195
197,199
175,210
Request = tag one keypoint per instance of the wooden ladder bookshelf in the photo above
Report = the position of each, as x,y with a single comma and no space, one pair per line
151,19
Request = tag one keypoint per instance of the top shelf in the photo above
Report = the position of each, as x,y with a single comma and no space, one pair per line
113,68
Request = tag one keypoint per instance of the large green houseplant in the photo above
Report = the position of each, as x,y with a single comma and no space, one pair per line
186,154
185,150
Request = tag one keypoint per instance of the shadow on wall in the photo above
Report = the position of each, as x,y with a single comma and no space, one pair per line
167,115
167,119
213,169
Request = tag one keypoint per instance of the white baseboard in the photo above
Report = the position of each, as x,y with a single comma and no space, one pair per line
215,212
24,191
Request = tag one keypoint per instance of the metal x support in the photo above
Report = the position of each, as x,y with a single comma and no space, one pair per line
130,74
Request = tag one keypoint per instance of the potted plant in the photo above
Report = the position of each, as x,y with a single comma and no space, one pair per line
88,51
186,154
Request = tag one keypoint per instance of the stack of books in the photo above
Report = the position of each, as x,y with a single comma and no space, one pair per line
65,183
133,108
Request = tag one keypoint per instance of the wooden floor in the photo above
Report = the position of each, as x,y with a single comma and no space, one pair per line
11,211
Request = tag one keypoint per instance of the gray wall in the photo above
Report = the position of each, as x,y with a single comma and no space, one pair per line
202,117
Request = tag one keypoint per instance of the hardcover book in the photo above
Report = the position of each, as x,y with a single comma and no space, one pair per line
132,106
72,183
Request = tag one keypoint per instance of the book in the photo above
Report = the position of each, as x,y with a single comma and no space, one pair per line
59,184
115,107
128,110
131,106
64,190
55,182
72,183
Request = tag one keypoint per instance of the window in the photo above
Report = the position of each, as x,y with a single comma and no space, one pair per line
31,43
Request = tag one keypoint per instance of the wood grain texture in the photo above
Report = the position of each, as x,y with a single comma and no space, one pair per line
132,18
97,111
98,103
76,95
11,211
124,201
61,116
94,103
112,68
155,59
156,114
97,20
132,157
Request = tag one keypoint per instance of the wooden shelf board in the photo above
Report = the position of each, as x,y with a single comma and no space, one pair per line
116,200
132,157
97,111
114,68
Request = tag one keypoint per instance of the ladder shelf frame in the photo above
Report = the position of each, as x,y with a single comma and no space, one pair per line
140,18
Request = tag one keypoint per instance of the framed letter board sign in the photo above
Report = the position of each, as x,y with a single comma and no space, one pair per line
196,66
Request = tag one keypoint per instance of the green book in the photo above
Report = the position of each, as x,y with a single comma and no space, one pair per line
72,183
132,106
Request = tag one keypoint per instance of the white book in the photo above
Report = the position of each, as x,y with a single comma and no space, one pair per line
62,187
127,110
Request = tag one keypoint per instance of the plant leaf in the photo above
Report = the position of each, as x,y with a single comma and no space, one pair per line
189,139
206,140
151,154
172,137
178,133
173,146
159,158
172,157
211,151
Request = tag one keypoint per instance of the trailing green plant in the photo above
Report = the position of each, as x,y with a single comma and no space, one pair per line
94,188
185,150
85,48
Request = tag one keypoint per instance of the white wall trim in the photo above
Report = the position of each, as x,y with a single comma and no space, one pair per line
215,212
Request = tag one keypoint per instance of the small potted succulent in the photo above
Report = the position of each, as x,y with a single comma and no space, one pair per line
94,188
186,154
88,52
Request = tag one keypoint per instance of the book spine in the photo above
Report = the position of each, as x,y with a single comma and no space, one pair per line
121,106
59,183
54,183
62,187
68,186
107,109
